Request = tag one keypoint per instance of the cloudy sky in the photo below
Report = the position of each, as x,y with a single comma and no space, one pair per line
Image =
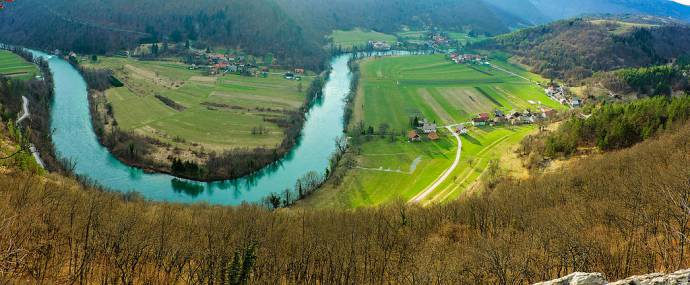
686,2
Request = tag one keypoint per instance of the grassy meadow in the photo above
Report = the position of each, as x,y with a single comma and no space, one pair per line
393,89
12,65
219,112
359,38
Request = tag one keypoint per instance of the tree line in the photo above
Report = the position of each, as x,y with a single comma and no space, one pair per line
608,127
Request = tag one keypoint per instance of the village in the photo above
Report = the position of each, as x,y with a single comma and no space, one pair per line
553,91
428,131
221,64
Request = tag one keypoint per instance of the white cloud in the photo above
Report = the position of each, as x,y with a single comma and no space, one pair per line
684,2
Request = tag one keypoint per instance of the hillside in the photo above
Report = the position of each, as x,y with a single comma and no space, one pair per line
600,216
90,26
294,30
574,49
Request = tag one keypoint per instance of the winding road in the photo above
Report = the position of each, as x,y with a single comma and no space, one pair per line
24,116
430,189
25,110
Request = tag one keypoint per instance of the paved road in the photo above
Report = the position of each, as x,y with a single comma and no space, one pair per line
25,115
428,190
25,110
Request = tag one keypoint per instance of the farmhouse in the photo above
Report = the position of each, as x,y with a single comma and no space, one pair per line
299,71
412,136
548,113
481,120
428,128
469,58
575,102
379,45
433,136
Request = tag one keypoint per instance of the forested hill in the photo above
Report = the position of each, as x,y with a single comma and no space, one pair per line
575,49
91,26
389,16
294,30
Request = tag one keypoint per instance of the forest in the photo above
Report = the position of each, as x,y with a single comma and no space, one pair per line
575,49
609,127
621,213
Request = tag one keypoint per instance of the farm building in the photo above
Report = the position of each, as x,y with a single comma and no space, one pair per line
433,136
481,120
428,127
412,136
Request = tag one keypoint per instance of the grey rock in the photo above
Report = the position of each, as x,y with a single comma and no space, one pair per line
681,277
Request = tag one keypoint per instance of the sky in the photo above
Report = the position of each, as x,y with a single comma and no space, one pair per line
686,2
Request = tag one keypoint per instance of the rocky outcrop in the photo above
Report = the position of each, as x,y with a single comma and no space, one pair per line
681,277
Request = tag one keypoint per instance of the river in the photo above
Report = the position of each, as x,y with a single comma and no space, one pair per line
75,140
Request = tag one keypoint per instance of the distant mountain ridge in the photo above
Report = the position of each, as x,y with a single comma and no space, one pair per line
294,30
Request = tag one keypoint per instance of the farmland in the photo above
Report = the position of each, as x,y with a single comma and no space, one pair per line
394,89
397,88
12,65
359,38
209,113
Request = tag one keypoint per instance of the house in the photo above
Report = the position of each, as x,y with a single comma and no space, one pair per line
412,136
514,115
428,128
461,129
499,120
433,136
481,120
575,102
299,71
378,45
548,113
499,114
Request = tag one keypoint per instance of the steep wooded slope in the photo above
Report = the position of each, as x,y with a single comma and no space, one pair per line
575,49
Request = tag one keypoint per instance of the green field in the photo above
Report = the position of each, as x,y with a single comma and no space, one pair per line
465,38
12,65
432,87
415,37
219,112
359,38
393,89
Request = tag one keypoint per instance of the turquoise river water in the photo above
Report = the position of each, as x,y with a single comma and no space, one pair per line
75,140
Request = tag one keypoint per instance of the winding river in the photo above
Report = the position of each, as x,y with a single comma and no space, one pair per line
75,140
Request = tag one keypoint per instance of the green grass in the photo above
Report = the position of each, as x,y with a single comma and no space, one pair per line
393,89
359,38
397,88
375,185
12,65
622,27
465,38
238,104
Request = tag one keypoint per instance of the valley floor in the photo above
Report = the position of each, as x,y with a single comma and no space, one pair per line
395,89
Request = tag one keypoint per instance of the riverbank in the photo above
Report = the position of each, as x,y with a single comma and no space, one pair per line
31,99
183,156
